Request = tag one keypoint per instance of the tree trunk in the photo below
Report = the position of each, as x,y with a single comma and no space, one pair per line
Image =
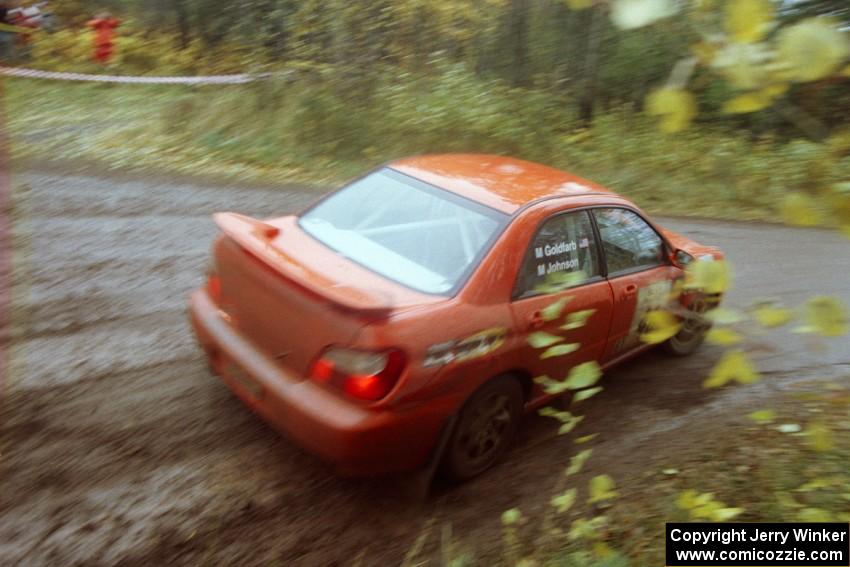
183,23
591,67
518,41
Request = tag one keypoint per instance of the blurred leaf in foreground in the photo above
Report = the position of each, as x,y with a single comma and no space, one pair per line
577,462
733,366
769,315
748,102
511,517
703,506
819,437
565,500
583,376
748,21
559,350
724,316
541,339
721,336
586,529
762,417
708,275
746,66
631,14
676,108
585,394
601,488
553,311
799,209
812,49
661,326
550,387
577,319
825,316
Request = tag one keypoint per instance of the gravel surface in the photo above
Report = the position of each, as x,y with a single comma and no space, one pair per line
120,448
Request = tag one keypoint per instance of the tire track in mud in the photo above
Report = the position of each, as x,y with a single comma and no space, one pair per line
120,448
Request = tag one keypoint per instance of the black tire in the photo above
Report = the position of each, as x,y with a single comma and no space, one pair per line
692,334
484,429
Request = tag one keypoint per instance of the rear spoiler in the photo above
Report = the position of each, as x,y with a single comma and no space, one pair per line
256,237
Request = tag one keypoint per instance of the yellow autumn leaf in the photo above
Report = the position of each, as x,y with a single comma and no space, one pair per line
748,21
733,366
565,500
661,325
584,375
763,417
825,316
723,316
676,107
631,14
708,275
704,51
553,311
579,4
511,517
768,315
748,102
577,462
723,336
812,49
775,90
745,66
819,437
799,209
601,488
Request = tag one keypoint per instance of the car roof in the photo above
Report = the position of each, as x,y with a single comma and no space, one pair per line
503,183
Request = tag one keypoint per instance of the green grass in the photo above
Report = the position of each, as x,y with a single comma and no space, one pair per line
773,476
323,132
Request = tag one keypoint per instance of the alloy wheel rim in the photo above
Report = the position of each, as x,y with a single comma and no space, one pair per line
486,430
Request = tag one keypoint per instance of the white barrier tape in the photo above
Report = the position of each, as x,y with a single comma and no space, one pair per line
199,80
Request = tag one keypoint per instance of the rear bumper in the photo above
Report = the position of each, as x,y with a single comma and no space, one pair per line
353,438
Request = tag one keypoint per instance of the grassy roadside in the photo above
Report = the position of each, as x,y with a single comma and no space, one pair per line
312,135
785,467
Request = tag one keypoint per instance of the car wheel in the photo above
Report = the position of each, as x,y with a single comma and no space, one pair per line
693,331
484,429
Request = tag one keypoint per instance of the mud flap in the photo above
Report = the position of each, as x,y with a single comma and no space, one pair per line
419,483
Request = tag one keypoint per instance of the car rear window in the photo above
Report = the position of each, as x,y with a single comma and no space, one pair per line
409,231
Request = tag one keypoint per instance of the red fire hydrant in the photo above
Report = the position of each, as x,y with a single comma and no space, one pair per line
104,37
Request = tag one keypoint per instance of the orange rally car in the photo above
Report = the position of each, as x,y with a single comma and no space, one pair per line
385,328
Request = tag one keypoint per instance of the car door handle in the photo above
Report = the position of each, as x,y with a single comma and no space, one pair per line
535,320
628,292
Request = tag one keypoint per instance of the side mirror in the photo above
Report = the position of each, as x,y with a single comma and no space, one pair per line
681,258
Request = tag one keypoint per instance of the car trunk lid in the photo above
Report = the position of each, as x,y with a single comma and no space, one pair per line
291,295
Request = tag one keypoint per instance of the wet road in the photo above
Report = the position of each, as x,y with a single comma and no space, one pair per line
120,448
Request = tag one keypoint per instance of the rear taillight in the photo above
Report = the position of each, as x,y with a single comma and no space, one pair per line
365,375
213,283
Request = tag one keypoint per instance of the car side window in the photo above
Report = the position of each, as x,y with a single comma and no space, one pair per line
628,241
562,254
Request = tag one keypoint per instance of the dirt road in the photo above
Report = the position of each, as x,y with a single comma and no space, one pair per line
118,447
